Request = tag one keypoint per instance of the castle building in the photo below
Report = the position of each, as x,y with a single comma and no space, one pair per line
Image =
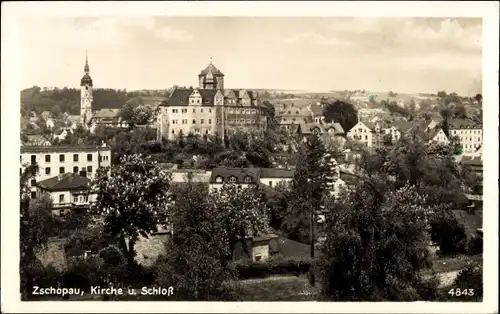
86,97
210,109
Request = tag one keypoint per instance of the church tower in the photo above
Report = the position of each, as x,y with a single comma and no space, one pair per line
86,95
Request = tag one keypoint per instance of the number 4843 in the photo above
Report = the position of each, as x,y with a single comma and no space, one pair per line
457,292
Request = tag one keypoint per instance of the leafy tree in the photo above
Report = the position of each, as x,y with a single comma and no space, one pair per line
441,94
479,99
132,197
35,228
448,233
376,246
342,112
471,277
196,261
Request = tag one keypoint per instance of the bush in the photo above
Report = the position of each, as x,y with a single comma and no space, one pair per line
83,273
471,277
448,233
475,245
275,265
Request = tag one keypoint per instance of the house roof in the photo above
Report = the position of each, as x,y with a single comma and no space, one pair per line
107,113
66,181
239,173
292,111
45,114
316,110
180,97
403,126
276,173
37,140
471,160
73,118
463,124
63,149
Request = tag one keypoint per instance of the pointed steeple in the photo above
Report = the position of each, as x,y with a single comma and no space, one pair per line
86,68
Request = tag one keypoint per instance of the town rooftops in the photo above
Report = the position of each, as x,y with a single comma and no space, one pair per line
64,182
180,97
62,149
240,175
472,160
317,111
36,140
463,124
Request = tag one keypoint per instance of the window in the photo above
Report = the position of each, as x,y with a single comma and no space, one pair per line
219,179
248,179
61,198
184,121
173,132
75,169
218,121
209,121
89,169
47,170
202,121
75,198
198,101
194,121
75,157
258,257
201,110
61,158
174,111
33,182
194,110
271,183
33,194
232,179
47,158
89,157
184,110
366,137
61,169
209,110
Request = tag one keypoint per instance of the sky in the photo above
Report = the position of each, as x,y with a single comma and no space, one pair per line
292,53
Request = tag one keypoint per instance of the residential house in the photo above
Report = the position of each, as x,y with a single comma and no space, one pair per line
469,133
36,140
68,191
273,176
474,162
242,177
190,175
53,160
332,130
107,117
436,135
72,121
289,115
49,123
46,115
258,248
64,133
362,132
316,113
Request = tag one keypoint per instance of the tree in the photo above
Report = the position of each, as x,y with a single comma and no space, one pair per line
310,186
441,94
196,261
35,228
479,99
132,197
342,112
376,246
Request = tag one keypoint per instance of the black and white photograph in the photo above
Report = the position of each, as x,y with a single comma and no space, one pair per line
215,155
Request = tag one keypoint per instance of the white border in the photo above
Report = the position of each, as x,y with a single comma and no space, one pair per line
10,143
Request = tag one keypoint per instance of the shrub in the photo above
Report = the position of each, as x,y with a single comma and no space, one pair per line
471,277
273,266
448,233
83,273
475,245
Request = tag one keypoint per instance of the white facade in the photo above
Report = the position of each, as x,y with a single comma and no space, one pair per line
54,160
362,133
64,200
440,137
470,138
273,182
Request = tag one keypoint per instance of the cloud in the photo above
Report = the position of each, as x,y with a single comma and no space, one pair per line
314,37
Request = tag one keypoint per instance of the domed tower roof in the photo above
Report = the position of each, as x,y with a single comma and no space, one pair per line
86,79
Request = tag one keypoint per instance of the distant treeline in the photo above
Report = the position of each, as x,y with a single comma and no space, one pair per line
68,99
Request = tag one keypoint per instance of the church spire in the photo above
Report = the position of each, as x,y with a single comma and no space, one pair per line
86,69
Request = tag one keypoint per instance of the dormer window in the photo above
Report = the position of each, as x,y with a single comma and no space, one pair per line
219,179
248,179
232,179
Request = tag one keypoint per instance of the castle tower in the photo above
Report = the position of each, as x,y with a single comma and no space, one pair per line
86,94
211,78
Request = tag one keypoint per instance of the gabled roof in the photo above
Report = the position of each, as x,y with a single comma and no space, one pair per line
276,173
463,124
65,182
107,113
37,140
180,97
239,173
403,126
316,110
338,128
